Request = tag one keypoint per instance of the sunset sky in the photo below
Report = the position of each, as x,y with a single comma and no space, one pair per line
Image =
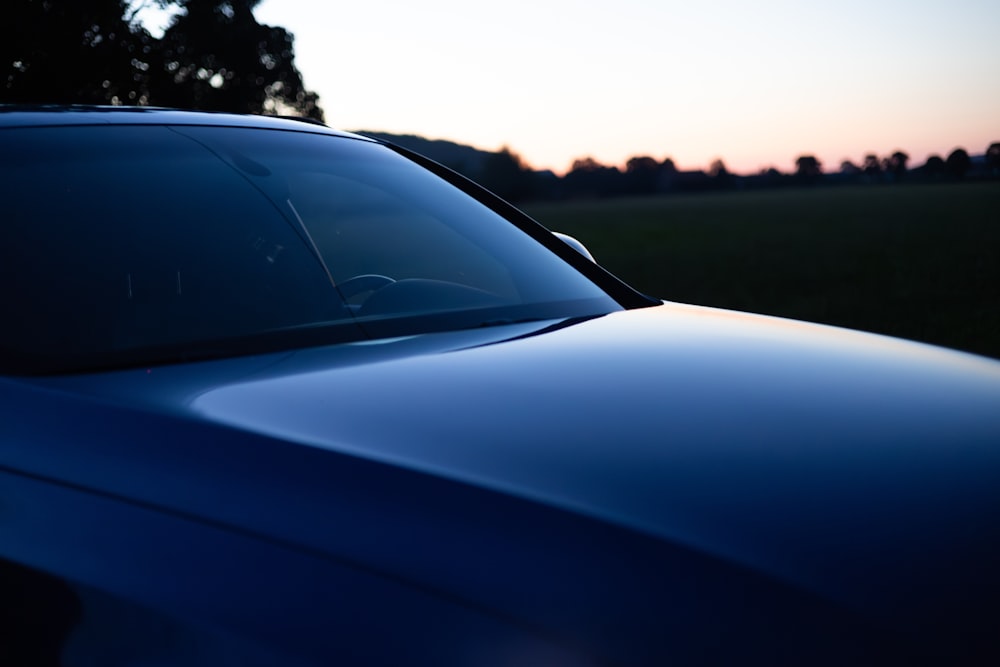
753,83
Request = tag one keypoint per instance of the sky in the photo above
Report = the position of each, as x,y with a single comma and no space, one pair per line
755,84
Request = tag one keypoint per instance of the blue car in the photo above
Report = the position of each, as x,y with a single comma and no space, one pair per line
273,394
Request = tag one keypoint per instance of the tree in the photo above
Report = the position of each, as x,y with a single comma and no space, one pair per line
214,55
894,166
67,51
666,178
640,164
586,165
848,168
588,177
771,177
505,174
958,163
808,168
871,165
641,175
897,163
934,168
808,165
721,178
993,157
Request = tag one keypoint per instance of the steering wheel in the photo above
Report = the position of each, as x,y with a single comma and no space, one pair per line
367,282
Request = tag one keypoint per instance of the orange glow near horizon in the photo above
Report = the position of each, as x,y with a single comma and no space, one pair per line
755,85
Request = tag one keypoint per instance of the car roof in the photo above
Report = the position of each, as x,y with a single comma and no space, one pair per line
54,115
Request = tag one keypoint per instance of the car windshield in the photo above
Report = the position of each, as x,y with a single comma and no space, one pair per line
128,245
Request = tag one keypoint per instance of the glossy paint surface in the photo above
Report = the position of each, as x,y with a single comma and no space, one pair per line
828,478
720,431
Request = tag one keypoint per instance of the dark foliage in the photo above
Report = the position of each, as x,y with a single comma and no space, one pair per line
932,170
808,169
993,157
214,56
872,168
506,175
589,178
958,163
848,168
217,57
641,175
66,51
897,164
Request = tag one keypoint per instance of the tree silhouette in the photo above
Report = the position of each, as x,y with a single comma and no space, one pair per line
721,178
640,164
808,165
641,175
589,178
666,179
934,168
214,55
958,163
808,169
848,168
871,165
67,51
505,174
586,164
993,157
897,163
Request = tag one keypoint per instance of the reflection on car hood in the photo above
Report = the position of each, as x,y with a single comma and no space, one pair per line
862,469
725,431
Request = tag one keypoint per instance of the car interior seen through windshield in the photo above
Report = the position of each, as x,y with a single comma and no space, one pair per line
139,244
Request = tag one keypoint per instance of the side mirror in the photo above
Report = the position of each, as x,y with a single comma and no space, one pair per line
575,245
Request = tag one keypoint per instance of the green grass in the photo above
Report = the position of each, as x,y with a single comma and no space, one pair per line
915,261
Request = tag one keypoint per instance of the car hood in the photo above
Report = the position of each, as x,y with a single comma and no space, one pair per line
862,469
770,442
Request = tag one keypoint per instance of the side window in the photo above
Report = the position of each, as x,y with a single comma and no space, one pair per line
47,621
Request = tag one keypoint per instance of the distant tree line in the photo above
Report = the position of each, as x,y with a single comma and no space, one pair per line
214,55
644,175
506,174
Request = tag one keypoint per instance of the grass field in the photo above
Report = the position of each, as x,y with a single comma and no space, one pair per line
915,261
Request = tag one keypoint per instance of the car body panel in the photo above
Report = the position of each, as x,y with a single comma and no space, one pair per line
19,116
665,442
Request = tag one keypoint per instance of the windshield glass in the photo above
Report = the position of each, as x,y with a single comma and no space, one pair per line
144,244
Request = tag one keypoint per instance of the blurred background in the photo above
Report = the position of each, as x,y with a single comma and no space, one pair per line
836,162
